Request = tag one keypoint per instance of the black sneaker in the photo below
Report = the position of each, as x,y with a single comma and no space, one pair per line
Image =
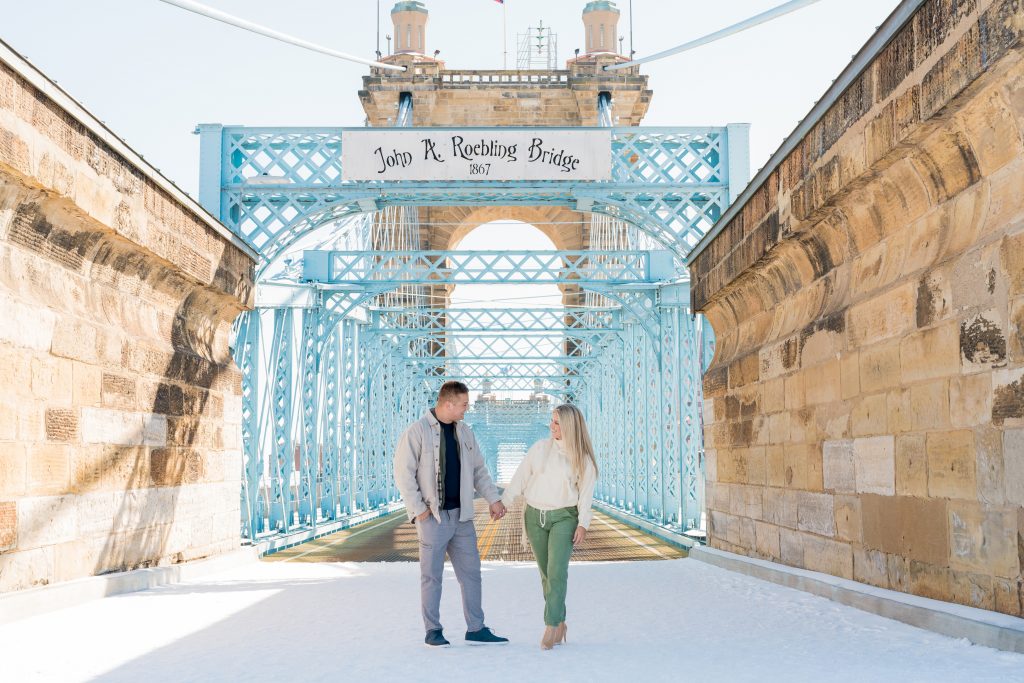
435,638
484,637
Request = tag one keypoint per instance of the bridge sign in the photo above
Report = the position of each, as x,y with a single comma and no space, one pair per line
476,154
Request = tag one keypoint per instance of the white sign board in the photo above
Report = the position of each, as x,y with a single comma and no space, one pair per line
432,154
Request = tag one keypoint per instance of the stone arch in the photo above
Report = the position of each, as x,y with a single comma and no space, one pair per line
448,225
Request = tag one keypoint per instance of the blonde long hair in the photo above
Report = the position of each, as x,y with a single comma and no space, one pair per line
576,439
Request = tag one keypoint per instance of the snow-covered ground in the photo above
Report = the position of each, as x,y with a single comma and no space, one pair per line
678,620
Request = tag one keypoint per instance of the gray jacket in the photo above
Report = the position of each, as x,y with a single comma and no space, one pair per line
418,461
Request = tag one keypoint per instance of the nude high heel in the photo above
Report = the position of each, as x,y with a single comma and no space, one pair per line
548,640
560,632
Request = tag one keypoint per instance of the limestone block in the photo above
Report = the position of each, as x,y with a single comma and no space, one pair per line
822,383
915,528
816,513
929,405
814,470
882,317
934,297
778,428
983,539
838,466
990,127
96,512
26,568
900,409
930,581
875,466
775,457
979,281
86,389
879,367
929,354
25,326
848,519
795,398
13,470
52,380
8,420
46,520
970,400
774,393
1011,254
100,425
1013,466
1015,332
831,557
154,430
796,466
49,469
1008,398
849,375
61,424
983,342
870,415
781,508
1008,594
976,590
118,391
898,572
951,464
767,540
791,547
75,340
870,567
911,466
8,525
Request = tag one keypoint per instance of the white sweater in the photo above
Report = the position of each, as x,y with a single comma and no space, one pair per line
545,479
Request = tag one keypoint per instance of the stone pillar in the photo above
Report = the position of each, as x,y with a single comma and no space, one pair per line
410,25
601,26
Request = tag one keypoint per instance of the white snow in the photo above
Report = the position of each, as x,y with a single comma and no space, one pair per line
667,620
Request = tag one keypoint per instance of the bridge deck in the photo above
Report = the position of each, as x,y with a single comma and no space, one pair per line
393,539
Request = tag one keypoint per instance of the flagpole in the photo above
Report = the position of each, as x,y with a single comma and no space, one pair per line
504,38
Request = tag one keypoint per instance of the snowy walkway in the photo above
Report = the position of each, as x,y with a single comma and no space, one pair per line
672,620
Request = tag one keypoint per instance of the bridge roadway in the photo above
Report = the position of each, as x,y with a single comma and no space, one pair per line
393,539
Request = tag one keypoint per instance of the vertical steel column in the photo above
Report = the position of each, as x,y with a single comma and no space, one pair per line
247,356
350,425
309,446
670,417
283,451
630,390
329,425
691,404
211,158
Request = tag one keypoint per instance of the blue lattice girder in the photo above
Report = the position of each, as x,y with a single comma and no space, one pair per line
278,183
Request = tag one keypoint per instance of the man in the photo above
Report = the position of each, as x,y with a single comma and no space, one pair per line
438,467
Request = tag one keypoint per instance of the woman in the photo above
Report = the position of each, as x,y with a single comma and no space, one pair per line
557,479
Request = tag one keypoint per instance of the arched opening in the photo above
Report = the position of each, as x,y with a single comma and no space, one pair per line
510,409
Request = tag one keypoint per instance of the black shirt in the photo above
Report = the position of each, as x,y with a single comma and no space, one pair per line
452,467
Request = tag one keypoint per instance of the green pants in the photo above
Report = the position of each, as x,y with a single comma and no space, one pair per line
552,546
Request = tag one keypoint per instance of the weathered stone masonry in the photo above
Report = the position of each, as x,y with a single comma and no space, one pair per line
865,409
119,403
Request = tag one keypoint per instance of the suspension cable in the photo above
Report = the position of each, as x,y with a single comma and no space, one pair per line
774,13
217,15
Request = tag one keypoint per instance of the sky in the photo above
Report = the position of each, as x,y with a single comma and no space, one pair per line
152,71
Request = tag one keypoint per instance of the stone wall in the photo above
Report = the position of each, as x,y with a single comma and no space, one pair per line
505,98
119,403
864,413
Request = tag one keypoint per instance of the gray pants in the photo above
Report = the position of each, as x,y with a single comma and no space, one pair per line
458,539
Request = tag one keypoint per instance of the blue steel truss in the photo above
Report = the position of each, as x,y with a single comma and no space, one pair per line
330,378
272,185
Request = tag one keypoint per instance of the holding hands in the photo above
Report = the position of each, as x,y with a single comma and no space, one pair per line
497,510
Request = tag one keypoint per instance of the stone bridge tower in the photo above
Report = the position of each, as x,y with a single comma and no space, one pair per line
447,97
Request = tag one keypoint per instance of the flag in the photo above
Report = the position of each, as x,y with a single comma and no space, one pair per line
500,2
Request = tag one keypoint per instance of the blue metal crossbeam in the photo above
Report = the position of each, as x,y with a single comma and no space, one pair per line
491,321
366,269
272,185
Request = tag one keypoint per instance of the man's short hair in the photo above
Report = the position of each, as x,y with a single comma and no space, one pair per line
451,391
